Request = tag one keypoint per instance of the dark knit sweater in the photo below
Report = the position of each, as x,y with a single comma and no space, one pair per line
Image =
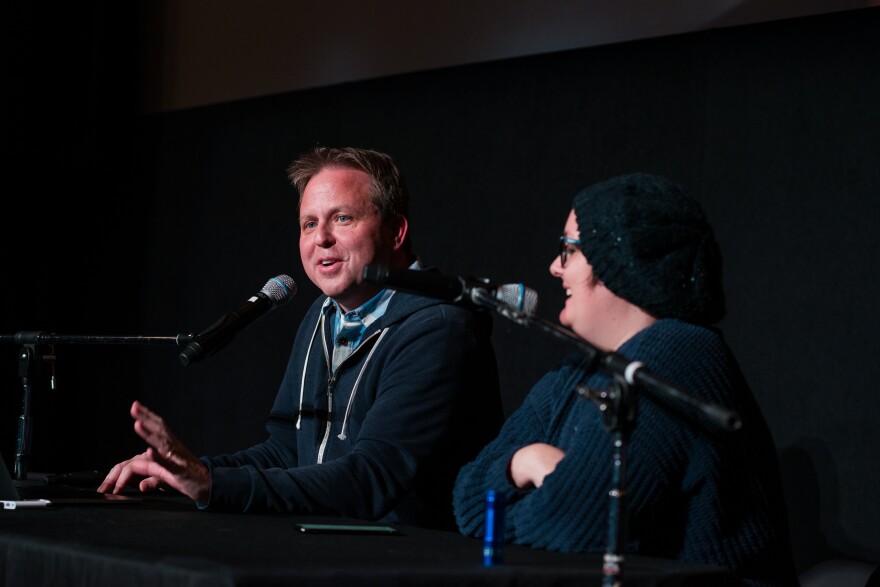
711,498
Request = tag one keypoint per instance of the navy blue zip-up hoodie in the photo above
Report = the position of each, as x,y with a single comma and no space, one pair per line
385,437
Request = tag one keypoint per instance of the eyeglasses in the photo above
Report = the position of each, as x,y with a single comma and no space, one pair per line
566,247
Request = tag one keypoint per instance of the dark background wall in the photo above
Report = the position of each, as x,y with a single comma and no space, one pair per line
116,222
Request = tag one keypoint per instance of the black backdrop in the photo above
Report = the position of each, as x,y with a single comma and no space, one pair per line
120,223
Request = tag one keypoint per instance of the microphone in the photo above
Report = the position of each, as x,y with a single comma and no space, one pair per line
277,292
454,289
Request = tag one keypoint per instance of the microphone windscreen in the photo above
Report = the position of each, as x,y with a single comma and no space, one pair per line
279,289
518,296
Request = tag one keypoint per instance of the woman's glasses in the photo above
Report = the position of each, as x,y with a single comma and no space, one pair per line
567,246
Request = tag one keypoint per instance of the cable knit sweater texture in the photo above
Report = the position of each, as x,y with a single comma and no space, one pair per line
694,494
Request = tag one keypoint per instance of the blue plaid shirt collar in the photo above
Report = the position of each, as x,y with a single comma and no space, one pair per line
348,327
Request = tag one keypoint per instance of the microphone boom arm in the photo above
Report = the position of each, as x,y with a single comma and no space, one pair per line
633,372
28,360
34,337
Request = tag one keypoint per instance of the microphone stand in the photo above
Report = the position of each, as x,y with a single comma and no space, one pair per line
28,361
619,408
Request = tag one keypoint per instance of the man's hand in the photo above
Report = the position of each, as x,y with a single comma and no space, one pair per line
166,463
532,463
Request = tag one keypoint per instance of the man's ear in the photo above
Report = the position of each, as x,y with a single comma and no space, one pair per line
399,230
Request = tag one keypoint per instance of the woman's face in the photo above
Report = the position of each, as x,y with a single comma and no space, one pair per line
591,309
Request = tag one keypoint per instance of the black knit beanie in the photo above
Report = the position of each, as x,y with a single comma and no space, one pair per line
651,244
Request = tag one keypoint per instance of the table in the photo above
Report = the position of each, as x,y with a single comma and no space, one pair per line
166,541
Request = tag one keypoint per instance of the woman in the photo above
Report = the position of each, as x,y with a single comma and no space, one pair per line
642,276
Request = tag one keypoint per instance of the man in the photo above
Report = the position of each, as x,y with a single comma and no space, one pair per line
386,394
642,275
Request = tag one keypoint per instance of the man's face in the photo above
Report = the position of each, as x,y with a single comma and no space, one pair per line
341,232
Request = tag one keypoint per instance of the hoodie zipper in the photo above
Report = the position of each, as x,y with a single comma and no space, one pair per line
330,383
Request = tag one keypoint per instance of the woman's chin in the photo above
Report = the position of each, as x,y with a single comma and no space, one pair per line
563,318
